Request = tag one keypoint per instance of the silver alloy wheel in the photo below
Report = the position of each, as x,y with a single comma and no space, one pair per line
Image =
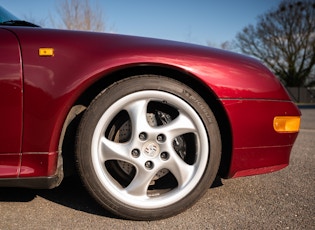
149,152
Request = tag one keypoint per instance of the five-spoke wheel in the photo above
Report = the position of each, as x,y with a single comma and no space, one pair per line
148,147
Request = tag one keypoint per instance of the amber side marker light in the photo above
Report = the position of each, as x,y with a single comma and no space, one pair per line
286,124
46,52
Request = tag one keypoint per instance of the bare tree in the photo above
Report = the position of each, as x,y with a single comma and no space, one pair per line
79,15
285,40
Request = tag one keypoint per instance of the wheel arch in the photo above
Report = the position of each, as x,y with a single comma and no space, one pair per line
68,134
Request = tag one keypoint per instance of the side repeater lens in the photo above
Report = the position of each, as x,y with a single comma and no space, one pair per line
46,52
286,124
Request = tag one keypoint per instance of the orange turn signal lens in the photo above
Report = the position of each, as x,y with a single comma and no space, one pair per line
46,52
286,124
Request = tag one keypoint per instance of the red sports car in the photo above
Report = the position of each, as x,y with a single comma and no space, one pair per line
148,123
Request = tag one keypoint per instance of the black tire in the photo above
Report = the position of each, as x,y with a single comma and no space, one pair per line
148,147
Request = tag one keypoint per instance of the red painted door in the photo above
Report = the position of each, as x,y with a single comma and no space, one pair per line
11,92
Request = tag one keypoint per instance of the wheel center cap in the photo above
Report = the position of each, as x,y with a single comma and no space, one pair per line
151,149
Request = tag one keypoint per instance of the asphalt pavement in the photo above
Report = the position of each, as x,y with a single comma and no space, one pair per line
280,200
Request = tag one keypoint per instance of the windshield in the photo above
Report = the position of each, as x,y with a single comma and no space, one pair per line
8,19
6,15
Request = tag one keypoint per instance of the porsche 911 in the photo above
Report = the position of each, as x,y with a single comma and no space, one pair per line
147,123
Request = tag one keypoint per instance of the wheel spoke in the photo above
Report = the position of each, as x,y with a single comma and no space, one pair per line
140,183
137,111
110,150
179,126
180,169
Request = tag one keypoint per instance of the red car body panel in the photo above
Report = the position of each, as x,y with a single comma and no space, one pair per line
43,93
257,147
11,105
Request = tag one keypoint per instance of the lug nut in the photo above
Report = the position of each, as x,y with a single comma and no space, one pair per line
149,165
143,136
164,156
161,138
135,153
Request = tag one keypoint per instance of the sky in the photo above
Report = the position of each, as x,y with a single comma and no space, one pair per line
193,21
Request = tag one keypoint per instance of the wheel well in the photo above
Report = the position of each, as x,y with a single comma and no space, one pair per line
68,136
